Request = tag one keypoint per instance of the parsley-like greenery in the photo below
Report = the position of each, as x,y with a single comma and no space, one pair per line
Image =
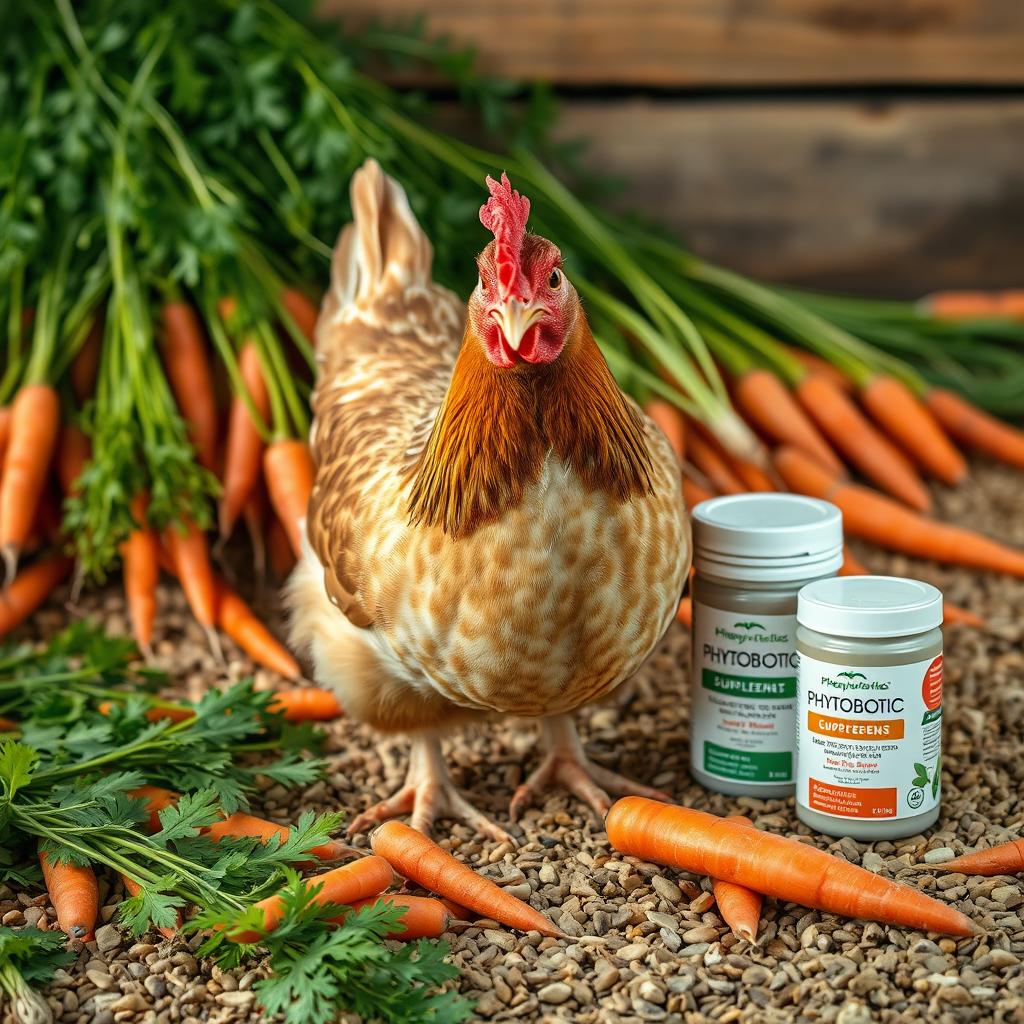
67,778
29,957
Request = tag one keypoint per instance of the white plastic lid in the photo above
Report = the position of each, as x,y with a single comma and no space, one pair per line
767,537
869,606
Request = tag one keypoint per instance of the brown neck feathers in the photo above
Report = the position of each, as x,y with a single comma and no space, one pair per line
496,426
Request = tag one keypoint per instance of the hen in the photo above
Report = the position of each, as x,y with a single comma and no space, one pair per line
494,527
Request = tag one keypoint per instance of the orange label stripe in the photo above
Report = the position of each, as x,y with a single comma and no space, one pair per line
855,728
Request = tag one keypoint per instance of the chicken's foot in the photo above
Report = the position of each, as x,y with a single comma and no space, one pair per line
428,793
565,764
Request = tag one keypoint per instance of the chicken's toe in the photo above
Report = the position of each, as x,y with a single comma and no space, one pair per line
428,794
567,766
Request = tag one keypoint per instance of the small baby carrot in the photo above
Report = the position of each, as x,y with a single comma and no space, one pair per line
975,428
672,423
424,917
307,704
358,880
74,894
739,907
288,471
421,860
1004,859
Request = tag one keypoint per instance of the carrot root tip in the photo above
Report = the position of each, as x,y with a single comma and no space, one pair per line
215,645
10,557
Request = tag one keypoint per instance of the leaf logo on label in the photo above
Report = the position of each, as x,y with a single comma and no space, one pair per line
851,675
747,625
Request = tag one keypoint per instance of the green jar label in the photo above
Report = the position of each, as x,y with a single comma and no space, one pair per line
743,711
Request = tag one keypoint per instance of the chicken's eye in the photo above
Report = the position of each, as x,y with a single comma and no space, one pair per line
555,280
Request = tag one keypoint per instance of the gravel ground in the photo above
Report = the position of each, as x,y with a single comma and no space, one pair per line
646,943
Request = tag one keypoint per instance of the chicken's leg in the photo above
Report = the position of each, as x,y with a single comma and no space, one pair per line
567,765
428,793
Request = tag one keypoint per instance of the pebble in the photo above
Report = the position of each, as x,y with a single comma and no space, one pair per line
634,951
107,938
667,889
939,855
557,992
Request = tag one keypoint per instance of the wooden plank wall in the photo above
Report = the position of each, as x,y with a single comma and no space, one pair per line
872,145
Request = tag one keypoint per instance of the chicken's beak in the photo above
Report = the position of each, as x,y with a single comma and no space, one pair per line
515,318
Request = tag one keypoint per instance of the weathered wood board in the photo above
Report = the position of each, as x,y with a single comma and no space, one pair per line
895,198
684,43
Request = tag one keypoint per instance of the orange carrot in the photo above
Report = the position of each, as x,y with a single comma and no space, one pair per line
1010,303
767,403
156,798
424,917
86,364
35,420
140,555
163,713
672,424
236,826
961,305
692,840
874,517
133,889
74,894
190,558
864,446
31,587
975,428
240,623
9,725
815,364
241,826
420,859
753,478
279,547
302,310
713,465
243,452
954,615
738,906
307,704
1004,859
684,613
188,370
358,880
288,470
694,493
910,423
73,452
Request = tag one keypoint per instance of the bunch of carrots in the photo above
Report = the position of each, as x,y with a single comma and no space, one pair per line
836,428
264,475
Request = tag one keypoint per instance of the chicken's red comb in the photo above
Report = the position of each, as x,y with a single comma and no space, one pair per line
505,214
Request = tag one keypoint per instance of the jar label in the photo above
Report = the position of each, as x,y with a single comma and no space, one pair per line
743,710
869,739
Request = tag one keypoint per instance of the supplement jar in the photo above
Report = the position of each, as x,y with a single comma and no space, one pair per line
752,554
869,727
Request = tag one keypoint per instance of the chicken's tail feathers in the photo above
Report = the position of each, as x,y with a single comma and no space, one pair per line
383,248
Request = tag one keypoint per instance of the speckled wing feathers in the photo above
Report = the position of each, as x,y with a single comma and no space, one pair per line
386,344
